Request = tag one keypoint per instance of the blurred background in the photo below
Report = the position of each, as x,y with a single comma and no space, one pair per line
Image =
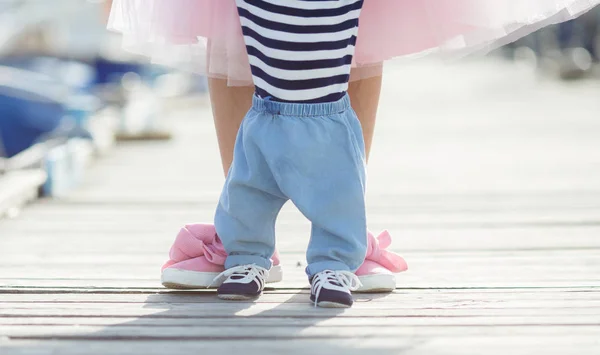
68,92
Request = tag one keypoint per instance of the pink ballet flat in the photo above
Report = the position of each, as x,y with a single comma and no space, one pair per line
197,258
377,272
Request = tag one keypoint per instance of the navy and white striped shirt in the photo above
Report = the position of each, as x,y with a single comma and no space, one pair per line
300,50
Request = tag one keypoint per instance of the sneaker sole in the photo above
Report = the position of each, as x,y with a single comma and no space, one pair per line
377,283
186,280
233,297
326,304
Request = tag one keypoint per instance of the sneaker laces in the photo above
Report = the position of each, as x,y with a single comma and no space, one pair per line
246,273
344,279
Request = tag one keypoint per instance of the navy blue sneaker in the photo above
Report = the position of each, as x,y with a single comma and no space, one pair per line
332,289
243,282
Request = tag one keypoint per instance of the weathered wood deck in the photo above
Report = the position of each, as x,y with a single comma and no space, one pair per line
488,179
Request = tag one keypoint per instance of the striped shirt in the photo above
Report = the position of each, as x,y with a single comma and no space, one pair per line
300,50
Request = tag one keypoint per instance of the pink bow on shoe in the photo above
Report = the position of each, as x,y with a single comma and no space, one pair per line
197,240
376,274
198,256
376,252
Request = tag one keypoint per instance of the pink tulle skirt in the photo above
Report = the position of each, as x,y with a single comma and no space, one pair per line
205,36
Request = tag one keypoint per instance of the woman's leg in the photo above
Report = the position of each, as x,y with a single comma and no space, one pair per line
364,96
230,104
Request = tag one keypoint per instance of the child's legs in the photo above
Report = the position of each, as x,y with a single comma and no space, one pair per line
340,234
249,204
318,162
230,104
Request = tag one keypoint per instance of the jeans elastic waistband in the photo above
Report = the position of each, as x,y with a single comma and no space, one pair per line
300,109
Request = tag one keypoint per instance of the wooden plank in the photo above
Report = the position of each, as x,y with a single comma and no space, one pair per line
412,345
376,301
278,331
506,258
465,207
295,239
414,282
293,266
292,219
455,262
443,270
466,321
220,310
541,292
532,261
371,303
473,297
82,283
436,204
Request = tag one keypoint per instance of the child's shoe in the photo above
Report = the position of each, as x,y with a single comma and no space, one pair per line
197,257
331,289
243,282
376,274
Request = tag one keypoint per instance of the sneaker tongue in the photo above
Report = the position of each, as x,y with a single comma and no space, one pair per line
335,283
333,280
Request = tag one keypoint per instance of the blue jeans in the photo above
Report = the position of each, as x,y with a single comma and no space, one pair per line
311,154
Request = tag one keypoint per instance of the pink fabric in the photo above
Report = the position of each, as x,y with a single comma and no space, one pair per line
379,259
197,264
205,35
197,247
196,240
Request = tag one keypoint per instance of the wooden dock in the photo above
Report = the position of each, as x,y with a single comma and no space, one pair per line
487,177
